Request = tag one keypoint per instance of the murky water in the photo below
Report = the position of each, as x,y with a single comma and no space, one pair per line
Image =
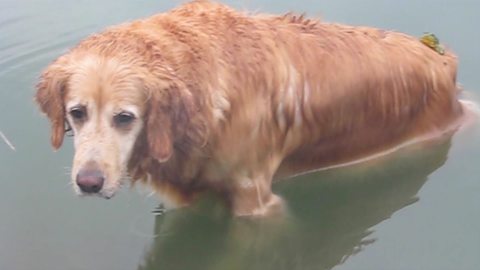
418,208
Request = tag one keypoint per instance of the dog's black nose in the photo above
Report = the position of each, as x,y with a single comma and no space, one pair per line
90,180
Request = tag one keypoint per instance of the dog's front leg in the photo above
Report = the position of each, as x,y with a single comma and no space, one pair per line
252,196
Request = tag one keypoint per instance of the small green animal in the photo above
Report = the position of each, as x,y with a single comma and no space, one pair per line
432,41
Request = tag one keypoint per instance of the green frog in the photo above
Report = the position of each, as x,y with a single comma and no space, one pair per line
432,41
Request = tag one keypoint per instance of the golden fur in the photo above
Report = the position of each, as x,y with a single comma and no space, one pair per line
227,101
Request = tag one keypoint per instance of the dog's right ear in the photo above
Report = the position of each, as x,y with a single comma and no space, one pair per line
50,97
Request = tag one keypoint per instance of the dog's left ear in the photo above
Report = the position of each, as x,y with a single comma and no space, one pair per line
172,118
159,128
50,97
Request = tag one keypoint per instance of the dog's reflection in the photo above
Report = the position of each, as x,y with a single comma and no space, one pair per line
330,216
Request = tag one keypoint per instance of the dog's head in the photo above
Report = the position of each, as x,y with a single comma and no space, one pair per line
110,104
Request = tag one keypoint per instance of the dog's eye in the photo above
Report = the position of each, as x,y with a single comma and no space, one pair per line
123,119
78,113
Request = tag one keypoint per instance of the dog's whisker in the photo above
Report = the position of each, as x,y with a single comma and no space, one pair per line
151,193
70,185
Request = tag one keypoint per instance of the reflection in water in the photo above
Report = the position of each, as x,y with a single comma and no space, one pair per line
330,217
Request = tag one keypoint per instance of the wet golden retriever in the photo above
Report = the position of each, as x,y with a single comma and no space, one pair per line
207,98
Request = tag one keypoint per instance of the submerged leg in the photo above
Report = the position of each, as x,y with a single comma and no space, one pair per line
254,197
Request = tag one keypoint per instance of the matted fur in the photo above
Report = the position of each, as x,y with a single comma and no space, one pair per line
228,100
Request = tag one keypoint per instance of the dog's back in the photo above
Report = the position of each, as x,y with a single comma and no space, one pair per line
362,91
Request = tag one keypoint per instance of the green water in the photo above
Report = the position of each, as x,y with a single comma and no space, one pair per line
418,208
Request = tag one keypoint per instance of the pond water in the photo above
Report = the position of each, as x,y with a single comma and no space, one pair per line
418,208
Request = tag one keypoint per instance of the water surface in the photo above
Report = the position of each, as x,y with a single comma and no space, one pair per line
418,208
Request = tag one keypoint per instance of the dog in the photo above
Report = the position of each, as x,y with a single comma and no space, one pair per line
206,98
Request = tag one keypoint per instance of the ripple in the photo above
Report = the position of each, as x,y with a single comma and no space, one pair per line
18,53
27,57
9,46
10,21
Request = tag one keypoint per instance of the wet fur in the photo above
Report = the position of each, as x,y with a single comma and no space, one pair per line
230,100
